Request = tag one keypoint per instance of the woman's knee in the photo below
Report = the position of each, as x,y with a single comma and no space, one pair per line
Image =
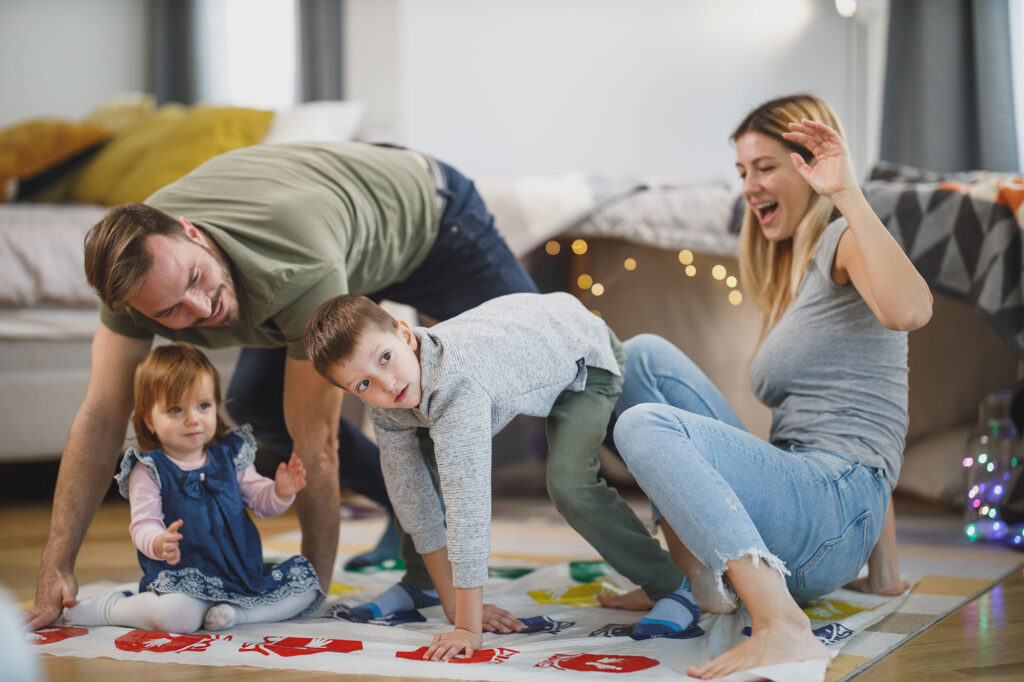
642,347
646,433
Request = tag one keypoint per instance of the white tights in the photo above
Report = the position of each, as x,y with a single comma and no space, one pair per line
179,613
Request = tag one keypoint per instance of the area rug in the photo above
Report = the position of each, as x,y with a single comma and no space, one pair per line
551,582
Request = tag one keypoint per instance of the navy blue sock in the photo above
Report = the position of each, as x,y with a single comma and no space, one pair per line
398,597
671,615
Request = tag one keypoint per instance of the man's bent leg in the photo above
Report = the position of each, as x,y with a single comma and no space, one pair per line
255,397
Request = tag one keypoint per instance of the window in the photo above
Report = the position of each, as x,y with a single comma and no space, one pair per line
247,54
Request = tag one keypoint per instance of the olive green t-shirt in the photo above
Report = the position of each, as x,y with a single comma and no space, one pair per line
300,223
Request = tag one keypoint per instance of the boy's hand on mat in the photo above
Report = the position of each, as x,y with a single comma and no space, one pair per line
165,545
289,478
449,644
56,590
496,619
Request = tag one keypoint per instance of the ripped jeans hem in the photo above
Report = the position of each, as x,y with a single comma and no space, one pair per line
770,560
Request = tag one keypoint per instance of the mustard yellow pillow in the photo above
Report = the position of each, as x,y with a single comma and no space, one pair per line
121,112
98,180
30,147
161,149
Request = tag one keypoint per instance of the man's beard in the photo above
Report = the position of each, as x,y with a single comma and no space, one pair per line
228,285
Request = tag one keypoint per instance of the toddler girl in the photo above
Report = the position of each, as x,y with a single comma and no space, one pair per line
200,553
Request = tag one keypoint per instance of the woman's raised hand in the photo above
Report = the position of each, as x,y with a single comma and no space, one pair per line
831,172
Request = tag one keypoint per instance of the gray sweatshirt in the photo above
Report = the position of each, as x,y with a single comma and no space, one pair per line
511,355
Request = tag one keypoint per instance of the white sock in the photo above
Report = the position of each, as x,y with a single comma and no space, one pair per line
177,613
93,611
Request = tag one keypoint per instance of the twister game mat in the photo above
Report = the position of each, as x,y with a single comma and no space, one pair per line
568,636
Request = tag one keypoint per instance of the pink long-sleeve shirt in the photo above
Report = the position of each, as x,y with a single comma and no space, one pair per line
147,507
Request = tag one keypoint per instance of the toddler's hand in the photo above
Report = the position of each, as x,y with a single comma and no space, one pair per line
448,644
290,478
165,545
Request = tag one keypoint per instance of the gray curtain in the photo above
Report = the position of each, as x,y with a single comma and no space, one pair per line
320,65
173,69
948,86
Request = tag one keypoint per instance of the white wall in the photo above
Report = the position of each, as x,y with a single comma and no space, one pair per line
500,87
63,57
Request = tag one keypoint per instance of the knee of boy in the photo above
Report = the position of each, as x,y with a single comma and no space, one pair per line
567,492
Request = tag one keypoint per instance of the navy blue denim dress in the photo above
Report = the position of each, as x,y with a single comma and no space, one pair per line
221,553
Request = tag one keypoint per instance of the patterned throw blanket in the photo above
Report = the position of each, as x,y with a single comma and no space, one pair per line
963,232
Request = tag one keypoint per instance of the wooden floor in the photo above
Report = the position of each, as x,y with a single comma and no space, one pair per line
984,640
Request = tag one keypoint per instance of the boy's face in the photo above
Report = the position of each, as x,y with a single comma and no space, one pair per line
384,368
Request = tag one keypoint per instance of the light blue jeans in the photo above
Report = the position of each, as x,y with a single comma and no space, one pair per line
813,515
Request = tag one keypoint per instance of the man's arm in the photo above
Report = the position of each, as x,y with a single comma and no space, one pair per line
86,466
312,408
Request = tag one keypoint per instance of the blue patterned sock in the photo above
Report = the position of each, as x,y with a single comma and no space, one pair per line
671,615
399,597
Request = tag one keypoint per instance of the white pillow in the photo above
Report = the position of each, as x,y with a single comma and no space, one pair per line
324,121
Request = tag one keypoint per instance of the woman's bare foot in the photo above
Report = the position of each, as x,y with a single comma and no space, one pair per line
637,600
893,587
777,642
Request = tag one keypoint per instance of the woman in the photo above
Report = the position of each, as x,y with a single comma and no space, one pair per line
788,520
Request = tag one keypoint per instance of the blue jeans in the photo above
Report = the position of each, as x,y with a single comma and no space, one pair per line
813,515
468,264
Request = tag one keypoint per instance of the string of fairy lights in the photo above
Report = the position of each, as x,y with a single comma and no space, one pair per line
587,283
990,479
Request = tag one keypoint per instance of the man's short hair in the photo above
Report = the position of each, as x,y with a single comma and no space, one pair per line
116,259
334,330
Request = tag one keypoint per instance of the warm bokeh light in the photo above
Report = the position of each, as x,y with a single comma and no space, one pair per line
735,297
597,289
597,312
630,264
718,272
686,256
691,270
584,281
553,248
579,247
731,281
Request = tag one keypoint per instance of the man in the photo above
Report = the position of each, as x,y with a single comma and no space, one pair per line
240,252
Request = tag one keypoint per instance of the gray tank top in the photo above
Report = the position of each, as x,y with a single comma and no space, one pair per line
834,376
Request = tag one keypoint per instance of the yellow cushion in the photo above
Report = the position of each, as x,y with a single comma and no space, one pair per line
159,150
118,113
30,147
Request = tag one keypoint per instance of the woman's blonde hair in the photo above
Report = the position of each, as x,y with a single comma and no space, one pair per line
772,271
167,374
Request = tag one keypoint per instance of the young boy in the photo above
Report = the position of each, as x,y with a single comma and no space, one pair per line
464,379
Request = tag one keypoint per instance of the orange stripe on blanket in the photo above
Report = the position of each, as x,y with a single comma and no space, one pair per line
1008,192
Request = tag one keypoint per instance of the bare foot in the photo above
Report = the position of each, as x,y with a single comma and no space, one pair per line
706,595
892,588
637,600
777,642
